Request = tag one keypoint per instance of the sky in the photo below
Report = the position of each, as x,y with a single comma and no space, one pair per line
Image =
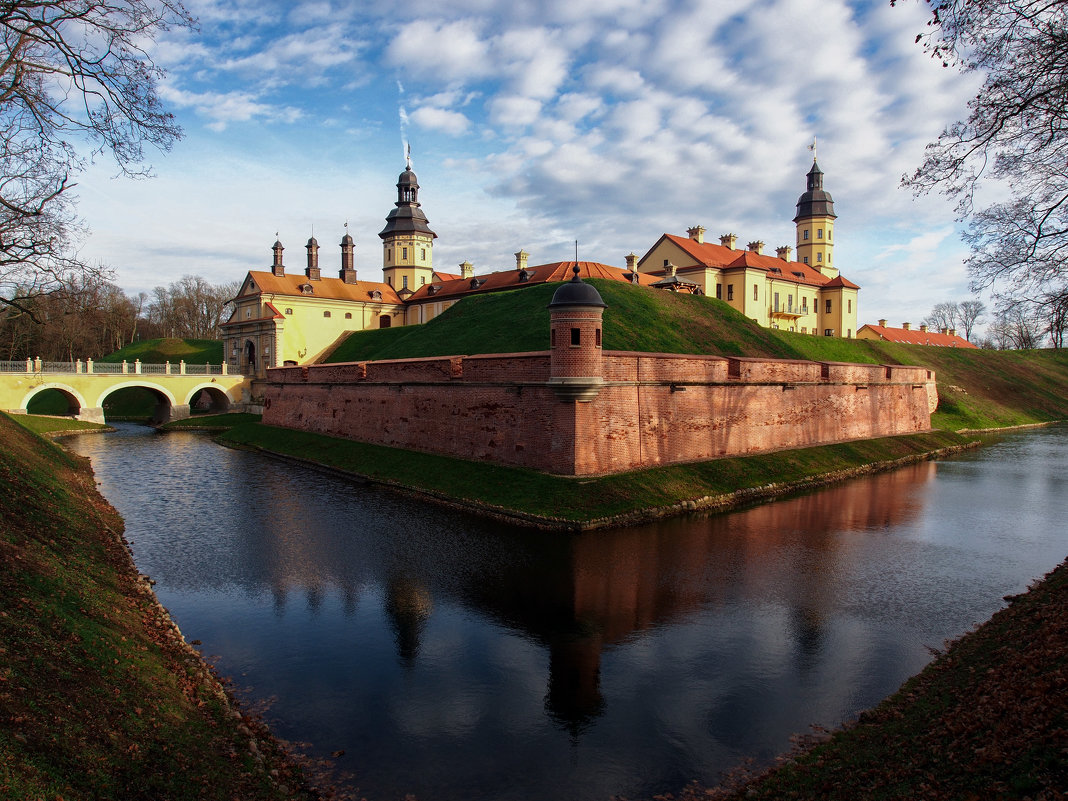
534,124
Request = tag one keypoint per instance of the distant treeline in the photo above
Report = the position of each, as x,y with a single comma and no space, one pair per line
94,317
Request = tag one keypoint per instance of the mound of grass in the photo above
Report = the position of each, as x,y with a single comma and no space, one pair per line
99,697
48,425
158,351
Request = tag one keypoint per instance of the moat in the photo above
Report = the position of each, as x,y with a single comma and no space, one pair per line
450,657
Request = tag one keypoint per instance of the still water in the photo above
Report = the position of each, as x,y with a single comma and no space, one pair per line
454,658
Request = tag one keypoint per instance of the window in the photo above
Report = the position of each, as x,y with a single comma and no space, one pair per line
819,257
576,337
719,291
389,280
756,292
326,314
806,259
423,257
552,338
404,253
389,254
828,332
849,306
776,300
248,313
804,305
404,282
730,291
849,333
806,234
804,329
819,233
348,315
665,262
289,311
598,338
828,305
422,281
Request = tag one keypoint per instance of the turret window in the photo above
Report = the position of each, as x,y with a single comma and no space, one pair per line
819,257
819,233
404,282
730,291
806,234
756,292
828,305
576,337
806,259
404,253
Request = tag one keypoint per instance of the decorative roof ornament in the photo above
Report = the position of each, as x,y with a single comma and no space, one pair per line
812,147
408,156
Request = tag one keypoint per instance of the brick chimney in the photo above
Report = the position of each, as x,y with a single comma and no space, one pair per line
697,234
632,262
953,332
906,326
728,240
467,270
277,268
757,247
348,260
521,260
312,270
882,323
923,327
784,252
943,330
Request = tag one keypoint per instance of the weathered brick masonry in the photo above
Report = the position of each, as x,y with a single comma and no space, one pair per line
653,409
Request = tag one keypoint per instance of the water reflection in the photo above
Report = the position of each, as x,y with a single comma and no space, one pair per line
451,657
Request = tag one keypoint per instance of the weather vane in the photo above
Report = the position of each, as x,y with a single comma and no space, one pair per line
812,147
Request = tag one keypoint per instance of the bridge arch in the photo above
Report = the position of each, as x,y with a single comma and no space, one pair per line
75,400
167,407
219,398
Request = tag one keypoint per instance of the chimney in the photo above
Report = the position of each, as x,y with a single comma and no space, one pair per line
277,268
784,252
923,327
312,270
521,260
697,234
632,262
906,326
728,240
672,269
757,247
953,332
882,323
943,330
467,270
348,263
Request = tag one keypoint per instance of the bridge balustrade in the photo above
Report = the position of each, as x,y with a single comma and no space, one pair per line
112,368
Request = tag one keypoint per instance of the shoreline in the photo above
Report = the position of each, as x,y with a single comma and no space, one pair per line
710,503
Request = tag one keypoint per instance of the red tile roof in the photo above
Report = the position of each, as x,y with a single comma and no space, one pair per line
914,336
708,254
510,279
329,288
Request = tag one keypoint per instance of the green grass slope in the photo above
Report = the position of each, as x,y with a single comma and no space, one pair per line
99,697
158,351
978,388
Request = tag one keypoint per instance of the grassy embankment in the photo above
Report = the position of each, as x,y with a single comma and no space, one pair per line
137,403
99,696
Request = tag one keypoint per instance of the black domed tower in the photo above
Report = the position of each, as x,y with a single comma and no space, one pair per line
576,365
407,241
815,224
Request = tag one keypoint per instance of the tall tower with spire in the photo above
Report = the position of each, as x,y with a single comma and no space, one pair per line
407,241
815,224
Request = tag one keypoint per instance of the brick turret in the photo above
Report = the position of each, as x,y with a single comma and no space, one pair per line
576,363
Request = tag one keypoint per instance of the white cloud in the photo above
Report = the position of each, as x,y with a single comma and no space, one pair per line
446,51
222,109
440,119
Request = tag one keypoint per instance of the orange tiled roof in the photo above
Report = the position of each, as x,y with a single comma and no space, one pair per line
917,337
330,288
708,254
510,279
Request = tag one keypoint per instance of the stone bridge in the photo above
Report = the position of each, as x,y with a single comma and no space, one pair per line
87,384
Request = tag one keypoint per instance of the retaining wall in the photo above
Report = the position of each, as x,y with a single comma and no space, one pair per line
654,409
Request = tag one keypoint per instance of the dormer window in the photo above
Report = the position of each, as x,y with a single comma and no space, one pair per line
433,289
306,289
524,276
376,294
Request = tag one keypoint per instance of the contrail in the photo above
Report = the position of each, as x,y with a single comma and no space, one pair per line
403,120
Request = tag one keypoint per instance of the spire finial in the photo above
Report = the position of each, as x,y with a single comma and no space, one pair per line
812,147
408,156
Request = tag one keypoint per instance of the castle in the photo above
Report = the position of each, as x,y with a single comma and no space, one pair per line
293,318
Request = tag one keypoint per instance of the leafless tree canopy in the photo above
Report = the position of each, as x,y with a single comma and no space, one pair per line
76,81
1014,134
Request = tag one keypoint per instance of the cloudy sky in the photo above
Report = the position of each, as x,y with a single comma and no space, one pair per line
537,123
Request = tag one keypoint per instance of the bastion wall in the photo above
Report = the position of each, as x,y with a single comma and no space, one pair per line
652,409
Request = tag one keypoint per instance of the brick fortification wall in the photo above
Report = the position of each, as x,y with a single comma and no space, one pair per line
653,409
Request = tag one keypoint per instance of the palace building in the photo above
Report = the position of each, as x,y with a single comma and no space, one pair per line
293,317
808,295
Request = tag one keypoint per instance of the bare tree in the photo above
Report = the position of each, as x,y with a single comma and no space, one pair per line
76,80
1014,134
943,315
969,315
190,308
1054,305
1016,326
